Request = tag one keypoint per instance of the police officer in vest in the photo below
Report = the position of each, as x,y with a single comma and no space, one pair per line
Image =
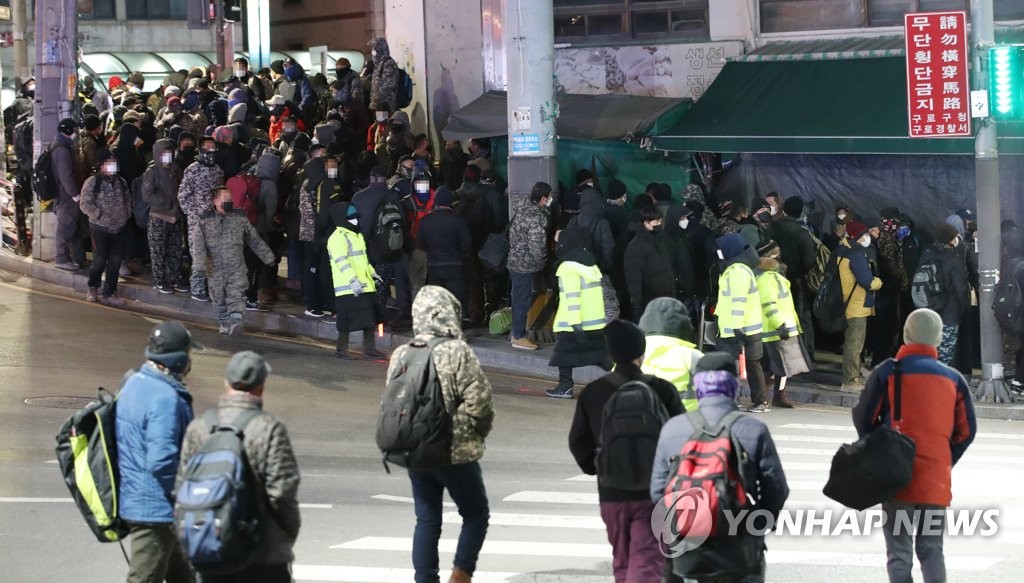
355,287
670,354
739,310
580,319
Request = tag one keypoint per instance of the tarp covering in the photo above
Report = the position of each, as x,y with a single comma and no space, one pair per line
856,106
580,117
928,188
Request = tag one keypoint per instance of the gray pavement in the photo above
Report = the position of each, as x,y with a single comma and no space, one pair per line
357,520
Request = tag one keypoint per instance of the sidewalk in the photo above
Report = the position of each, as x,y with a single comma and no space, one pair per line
820,387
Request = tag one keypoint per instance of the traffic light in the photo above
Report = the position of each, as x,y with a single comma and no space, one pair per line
1006,82
232,10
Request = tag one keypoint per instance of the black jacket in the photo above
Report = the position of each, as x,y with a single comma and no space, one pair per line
444,236
681,251
617,217
796,247
591,220
955,282
648,269
585,433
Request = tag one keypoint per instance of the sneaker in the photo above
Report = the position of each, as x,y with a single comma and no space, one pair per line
201,297
66,266
182,287
92,295
263,296
124,271
1016,387
314,313
560,392
759,408
854,386
330,317
524,344
113,301
344,355
163,289
255,307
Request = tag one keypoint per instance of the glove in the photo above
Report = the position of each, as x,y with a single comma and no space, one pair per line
740,337
783,334
378,279
357,287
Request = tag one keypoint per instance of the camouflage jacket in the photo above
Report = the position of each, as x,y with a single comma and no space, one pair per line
384,87
273,461
107,201
528,239
194,122
220,241
195,195
436,313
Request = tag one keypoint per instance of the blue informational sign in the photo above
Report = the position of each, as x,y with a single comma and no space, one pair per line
525,144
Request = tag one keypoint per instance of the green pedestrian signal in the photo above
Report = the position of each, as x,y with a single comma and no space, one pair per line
1006,83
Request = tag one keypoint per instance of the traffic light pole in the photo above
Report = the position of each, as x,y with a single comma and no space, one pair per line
986,155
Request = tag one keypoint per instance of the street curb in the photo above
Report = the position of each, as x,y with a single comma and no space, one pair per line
490,351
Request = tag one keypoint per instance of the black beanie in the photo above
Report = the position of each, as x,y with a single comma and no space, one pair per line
301,143
616,190
626,341
794,206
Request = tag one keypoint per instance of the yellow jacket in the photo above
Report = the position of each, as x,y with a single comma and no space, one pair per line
739,305
580,300
778,311
350,268
855,274
673,359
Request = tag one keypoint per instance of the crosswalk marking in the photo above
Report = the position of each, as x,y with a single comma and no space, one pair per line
376,574
405,499
815,439
875,560
491,547
852,430
536,520
539,497
968,459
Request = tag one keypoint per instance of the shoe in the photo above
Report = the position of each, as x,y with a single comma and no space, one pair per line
373,354
255,307
524,344
854,386
560,392
66,266
329,317
344,355
460,576
263,296
92,295
201,297
163,289
759,408
124,271
293,284
182,287
23,250
314,313
783,403
1016,387
113,301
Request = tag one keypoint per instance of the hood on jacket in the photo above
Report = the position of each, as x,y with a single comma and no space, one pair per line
436,312
324,134
162,146
294,72
128,133
315,170
731,245
591,205
958,223
219,112
673,215
400,117
380,45
667,317
237,113
268,166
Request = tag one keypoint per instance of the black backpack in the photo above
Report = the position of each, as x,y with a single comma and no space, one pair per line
1009,303
140,206
829,307
403,91
23,146
219,504
414,430
926,288
631,423
388,237
44,183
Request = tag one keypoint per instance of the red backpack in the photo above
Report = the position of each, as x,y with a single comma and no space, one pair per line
245,189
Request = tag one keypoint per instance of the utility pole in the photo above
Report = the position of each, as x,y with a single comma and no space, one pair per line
529,38
19,24
986,155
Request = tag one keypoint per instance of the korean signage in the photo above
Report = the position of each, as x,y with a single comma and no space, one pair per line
938,90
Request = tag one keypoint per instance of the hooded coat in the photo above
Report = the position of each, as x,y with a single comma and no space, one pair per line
129,161
681,253
384,88
670,353
467,393
195,195
314,173
591,220
268,170
648,268
160,185
304,93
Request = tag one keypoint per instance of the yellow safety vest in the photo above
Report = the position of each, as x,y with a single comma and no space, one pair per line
739,308
673,360
349,262
580,301
777,307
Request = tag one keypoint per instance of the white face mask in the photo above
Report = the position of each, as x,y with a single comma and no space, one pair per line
166,158
865,242
382,116
422,187
373,54
110,169
240,73
332,172
353,222
684,223
841,216
773,210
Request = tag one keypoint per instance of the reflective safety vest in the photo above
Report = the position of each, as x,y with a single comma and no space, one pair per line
673,360
580,301
777,307
349,263
739,305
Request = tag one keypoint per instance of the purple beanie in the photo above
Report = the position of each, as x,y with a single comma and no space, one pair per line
715,382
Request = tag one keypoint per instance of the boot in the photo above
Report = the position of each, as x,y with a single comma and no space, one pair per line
460,576
781,401
565,385
370,346
341,348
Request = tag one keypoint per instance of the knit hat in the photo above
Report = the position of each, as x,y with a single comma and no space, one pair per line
137,79
91,122
767,248
716,361
626,341
277,66
715,374
67,126
237,96
539,191
583,176
855,230
945,233
923,326
247,371
191,101
695,209
172,90
662,192
169,345
616,190
731,245
443,196
793,206
472,173
301,143
222,134
642,201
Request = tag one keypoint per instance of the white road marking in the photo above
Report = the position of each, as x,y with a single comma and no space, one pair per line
536,520
404,499
850,429
491,547
969,460
376,574
876,560
317,506
833,440
25,500
582,478
540,497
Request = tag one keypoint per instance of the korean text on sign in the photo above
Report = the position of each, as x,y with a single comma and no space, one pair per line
938,90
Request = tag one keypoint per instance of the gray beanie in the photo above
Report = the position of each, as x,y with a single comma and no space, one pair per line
923,326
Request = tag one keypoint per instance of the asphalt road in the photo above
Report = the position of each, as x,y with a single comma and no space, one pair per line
357,520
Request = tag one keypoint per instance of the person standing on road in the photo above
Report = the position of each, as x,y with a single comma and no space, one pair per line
937,413
670,354
527,256
70,252
355,282
153,410
106,200
272,460
636,557
467,395
781,325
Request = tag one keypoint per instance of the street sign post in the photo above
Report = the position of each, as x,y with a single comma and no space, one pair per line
938,88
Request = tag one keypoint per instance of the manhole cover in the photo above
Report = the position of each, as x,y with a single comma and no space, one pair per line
60,402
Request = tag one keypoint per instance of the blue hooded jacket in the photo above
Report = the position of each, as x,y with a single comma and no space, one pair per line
153,411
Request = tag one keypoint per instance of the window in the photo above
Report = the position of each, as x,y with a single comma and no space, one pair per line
96,9
801,15
618,20
155,10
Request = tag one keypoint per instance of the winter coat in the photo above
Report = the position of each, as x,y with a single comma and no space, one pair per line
315,173
153,410
62,167
384,89
648,270
445,237
471,206
195,195
798,250
160,187
348,89
670,354
528,239
107,201
617,217
268,170
129,161
453,167
288,187
467,392
591,220
856,274
581,347
954,282
272,459
585,432
220,242
937,414
681,251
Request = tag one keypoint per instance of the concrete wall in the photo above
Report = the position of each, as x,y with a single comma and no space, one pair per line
343,25
145,36
454,65
406,34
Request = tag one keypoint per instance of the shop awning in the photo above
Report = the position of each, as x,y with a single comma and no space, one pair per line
851,106
580,117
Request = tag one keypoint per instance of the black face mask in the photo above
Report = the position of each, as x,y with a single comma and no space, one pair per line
228,206
187,153
206,157
764,217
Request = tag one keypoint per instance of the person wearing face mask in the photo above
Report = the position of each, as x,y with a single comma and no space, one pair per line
193,119
314,288
185,153
527,256
221,237
648,263
453,164
955,291
384,86
282,113
774,201
680,247
417,205
398,142
754,226
859,285
969,348
377,133
883,329
837,230
615,208
107,201
198,184
70,253
800,255
354,282
160,192
347,89
445,238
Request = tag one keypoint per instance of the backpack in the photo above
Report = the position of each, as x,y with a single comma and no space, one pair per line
1009,303
140,206
218,505
926,287
287,89
87,457
23,146
829,308
245,189
388,237
413,428
816,274
403,90
709,473
44,182
631,423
